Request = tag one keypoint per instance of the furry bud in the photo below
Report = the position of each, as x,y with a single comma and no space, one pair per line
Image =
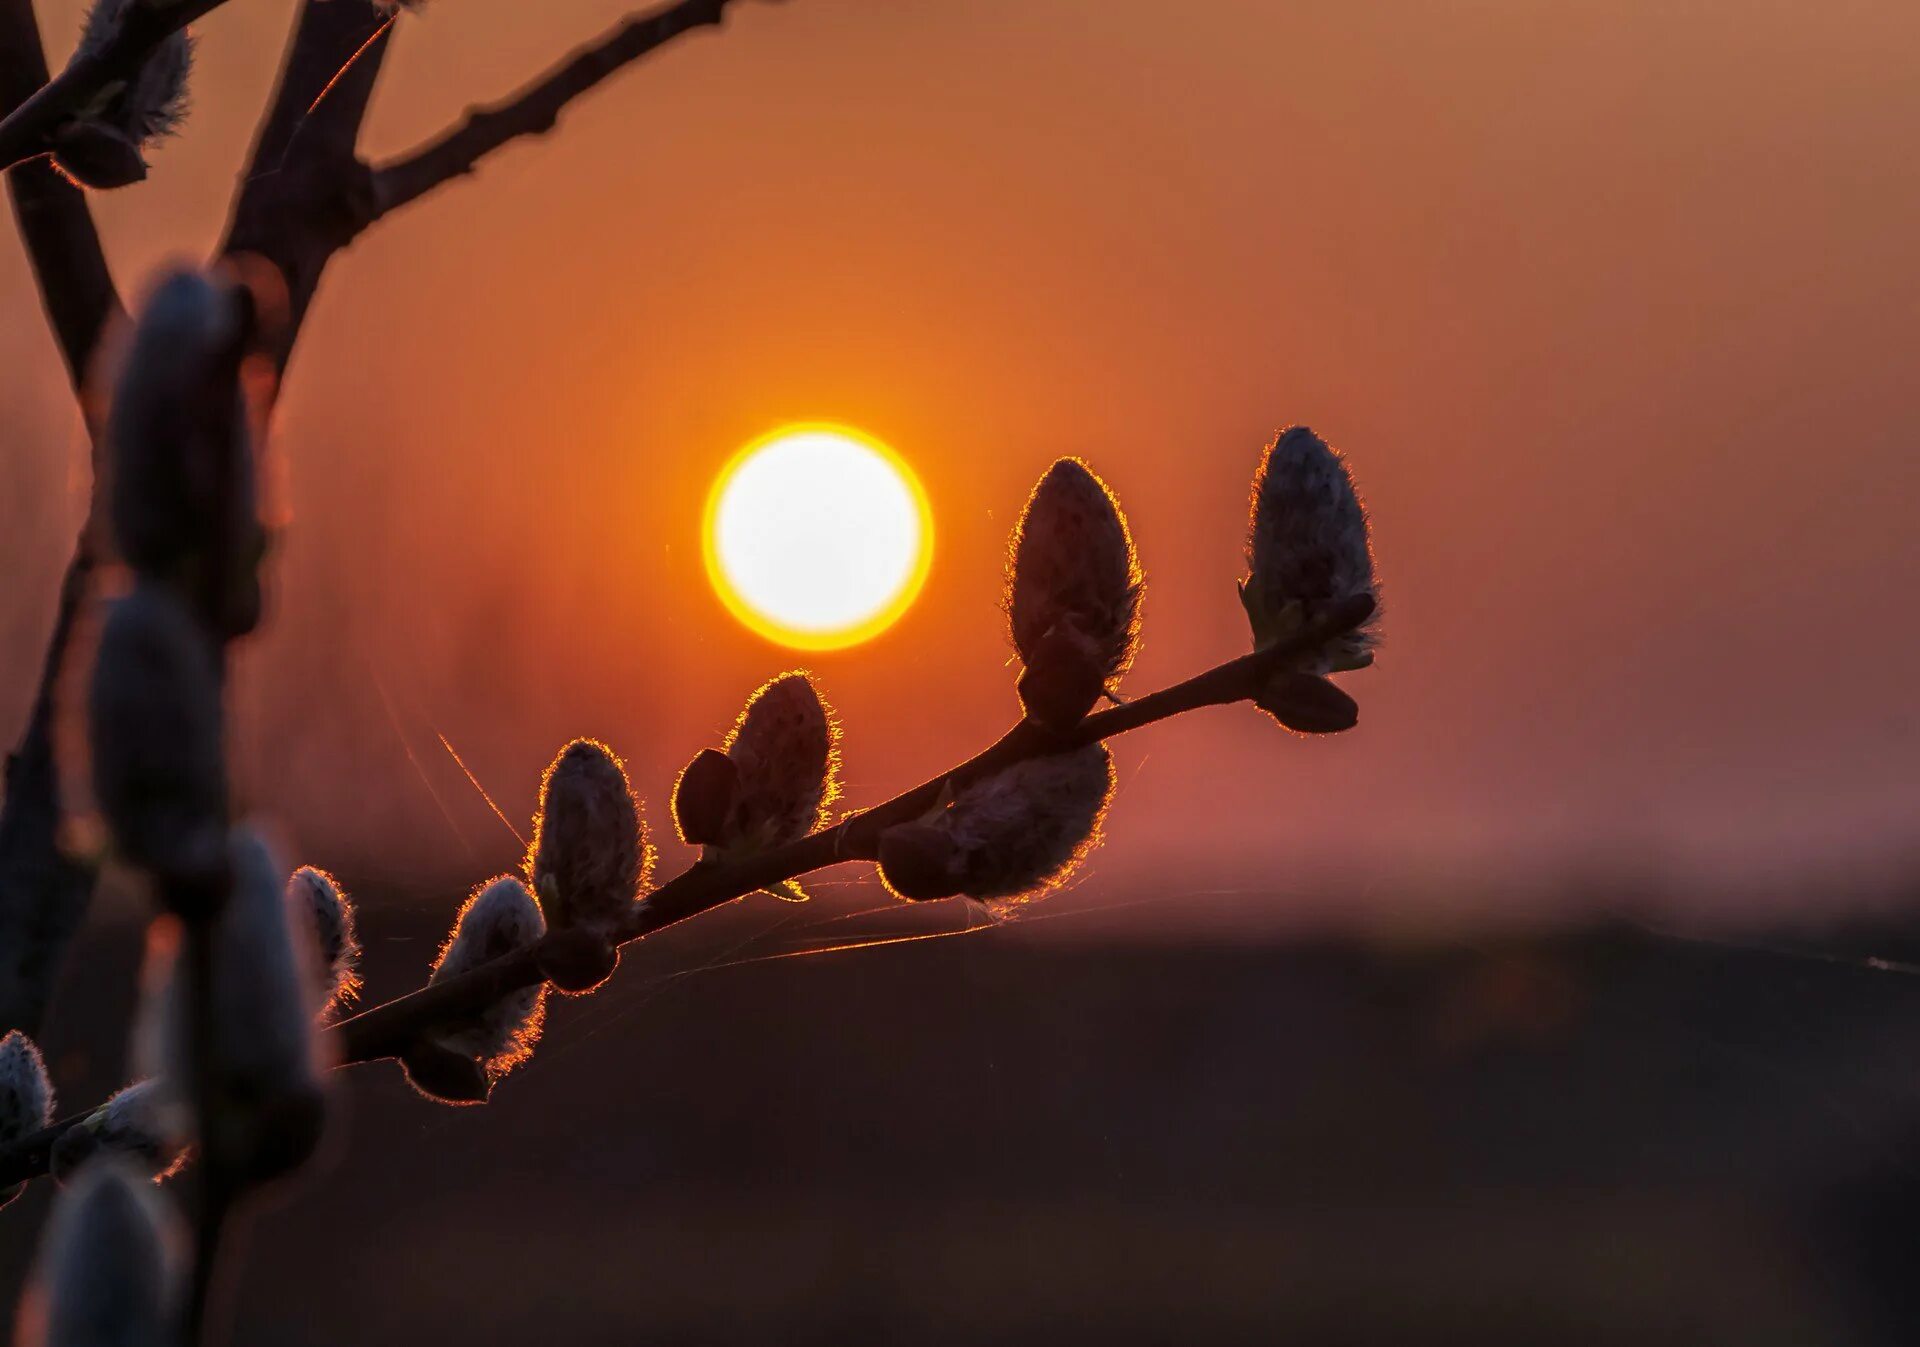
499,918
1073,590
26,1096
921,861
266,1070
782,749
1307,550
105,145
703,797
154,728
589,855
1010,836
577,960
1308,704
181,491
110,1264
438,1072
1062,681
127,1125
317,899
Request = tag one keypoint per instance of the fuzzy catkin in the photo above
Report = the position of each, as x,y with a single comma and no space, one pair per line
154,102
1014,835
181,490
26,1092
1071,567
590,855
499,918
106,145
128,1125
1308,545
783,749
109,1269
317,899
154,729
265,1048
26,1095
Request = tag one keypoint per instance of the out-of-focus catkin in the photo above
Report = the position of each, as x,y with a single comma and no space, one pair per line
109,1268
26,1096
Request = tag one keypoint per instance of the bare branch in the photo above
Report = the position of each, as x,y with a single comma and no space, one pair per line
28,129
55,223
43,893
534,110
305,194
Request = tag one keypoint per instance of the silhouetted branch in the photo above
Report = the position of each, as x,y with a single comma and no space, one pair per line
43,893
534,110
28,129
389,1029
306,194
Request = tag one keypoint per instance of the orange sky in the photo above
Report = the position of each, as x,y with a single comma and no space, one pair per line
1613,304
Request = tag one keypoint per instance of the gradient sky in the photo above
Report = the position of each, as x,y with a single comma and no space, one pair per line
1613,304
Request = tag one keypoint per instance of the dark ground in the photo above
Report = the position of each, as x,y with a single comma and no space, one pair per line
1606,1137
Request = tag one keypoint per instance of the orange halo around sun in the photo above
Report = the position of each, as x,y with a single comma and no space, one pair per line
817,536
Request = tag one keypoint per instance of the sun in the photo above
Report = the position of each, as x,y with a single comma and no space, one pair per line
817,536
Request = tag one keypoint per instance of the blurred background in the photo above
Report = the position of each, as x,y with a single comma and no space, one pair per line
1539,1006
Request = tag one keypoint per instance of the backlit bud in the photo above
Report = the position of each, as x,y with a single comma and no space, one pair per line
317,899
127,1125
105,145
920,861
110,1264
499,918
703,798
782,749
265,1063
1307,550
26,1096
154,728
589,856
1308,704
180,490
1008,837
1073,592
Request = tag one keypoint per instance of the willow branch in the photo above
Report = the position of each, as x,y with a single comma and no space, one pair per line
29,128
43,893
388,1030
534,110
306,194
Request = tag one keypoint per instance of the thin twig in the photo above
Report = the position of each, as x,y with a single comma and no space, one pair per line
533,110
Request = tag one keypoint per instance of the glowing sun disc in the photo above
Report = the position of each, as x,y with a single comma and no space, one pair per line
817,536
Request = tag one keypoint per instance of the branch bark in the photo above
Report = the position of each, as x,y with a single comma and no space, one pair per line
306,194
534,110
44,893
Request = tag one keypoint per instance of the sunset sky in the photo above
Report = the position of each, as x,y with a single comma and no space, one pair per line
1613,305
